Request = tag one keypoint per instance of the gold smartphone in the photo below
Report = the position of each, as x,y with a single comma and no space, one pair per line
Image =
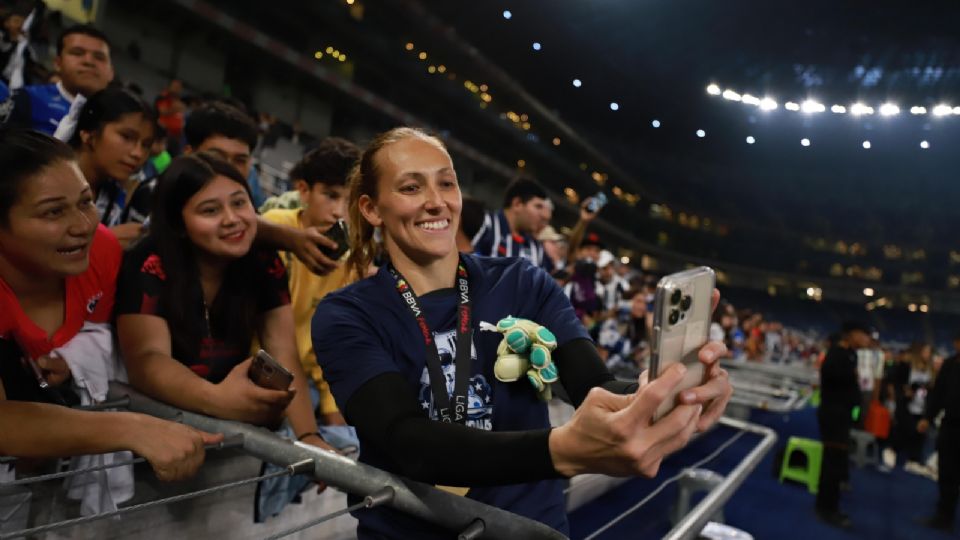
268,373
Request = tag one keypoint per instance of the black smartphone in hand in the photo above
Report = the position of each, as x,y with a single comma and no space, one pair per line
337,233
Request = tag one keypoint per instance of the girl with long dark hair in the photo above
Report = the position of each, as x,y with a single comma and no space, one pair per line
194,294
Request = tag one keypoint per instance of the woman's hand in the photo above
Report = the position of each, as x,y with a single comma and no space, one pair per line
615,434
238,398
54,369
716,390
175,451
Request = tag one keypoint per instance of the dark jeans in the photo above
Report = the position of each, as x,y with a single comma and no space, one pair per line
948,447
835,425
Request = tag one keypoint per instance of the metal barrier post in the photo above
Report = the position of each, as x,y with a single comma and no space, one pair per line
694,522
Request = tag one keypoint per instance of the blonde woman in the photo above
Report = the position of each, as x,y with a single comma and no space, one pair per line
400,351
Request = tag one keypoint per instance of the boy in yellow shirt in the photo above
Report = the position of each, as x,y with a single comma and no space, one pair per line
320,178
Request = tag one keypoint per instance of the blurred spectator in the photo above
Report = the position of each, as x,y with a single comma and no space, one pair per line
554,246
320,178
511,231
945,398
840,397
84,67
113,137
614,287
160,158
223,130
170,114
590,248
471,221
912,380
17,57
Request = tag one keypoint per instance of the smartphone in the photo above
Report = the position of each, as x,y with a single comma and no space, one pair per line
268,373
337,233
681,323
597,202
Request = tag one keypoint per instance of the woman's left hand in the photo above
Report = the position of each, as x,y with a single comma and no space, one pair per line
716,390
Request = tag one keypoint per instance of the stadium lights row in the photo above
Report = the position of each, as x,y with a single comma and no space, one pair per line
805,142
812,106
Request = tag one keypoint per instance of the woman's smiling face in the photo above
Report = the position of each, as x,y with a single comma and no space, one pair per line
418,200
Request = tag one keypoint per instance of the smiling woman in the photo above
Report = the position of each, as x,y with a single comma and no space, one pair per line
194,293
410,372
57,272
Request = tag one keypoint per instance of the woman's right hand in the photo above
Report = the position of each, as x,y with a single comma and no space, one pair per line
175,451
238,398
615,434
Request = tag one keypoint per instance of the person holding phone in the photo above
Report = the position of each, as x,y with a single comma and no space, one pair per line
320,178
58,268
194,293
392,346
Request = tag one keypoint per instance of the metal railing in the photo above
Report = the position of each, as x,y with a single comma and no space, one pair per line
694,522
771,387
470,518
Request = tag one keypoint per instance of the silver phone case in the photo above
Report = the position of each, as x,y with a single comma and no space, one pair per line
681,340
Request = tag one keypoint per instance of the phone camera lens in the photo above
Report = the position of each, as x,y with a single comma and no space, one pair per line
685,303
674,316
675,297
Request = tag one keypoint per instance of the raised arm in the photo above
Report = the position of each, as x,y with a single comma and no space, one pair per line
304,243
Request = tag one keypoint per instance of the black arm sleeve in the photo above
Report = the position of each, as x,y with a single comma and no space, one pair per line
581,368
386,415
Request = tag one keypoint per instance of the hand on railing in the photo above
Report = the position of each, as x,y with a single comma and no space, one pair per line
175,451
238,398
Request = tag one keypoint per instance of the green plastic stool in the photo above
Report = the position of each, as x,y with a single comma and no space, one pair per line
810,474
815,398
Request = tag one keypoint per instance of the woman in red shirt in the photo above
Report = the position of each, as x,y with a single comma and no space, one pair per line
57,271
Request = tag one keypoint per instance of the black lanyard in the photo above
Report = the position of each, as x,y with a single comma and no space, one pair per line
455,412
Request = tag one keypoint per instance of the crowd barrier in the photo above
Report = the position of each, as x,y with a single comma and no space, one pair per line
466,518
